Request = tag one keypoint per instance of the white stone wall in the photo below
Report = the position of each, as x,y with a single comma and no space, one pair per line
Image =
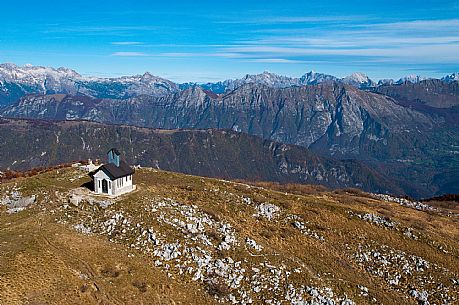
122,185
116,187
98,178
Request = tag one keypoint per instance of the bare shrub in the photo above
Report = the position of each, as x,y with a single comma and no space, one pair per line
141,285
216,288
109,271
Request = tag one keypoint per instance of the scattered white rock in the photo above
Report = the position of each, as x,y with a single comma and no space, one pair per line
253,244
267,210
247,200
405,202
16,202
398,268
82,228
192,248
168,251
363,290
421,297
297,223
408,232
376,219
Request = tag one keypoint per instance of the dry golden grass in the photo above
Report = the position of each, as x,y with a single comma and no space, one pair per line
43,262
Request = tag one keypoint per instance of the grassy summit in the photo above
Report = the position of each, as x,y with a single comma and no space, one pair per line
181,239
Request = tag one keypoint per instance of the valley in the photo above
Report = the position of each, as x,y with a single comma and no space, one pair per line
406,131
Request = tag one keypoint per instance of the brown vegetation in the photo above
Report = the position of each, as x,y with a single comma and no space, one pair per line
293,188
11,174
37,251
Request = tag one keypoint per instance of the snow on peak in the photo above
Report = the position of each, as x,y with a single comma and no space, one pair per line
45,80
34,74
266,78
148,75
451,77
312,78
359,79
412,78
386,82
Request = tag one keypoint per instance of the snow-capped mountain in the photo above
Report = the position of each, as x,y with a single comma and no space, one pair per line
359,80
386,82
451,77
127,86
16,81
266,78
38,75
269,79
412,78
313,78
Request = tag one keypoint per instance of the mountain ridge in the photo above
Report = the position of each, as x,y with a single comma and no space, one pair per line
340,110
333,120
214,153
17,81
407,131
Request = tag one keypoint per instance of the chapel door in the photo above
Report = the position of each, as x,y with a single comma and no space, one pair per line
104,186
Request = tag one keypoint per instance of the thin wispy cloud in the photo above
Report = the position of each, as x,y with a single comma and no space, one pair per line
314,19
129,54
276,60
446,53
397,42
355,40
127,43
425,25
201,54
238,37
180,54
108,30
354,43
101,28
273,20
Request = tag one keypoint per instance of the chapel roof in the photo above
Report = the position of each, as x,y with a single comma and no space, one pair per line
115,172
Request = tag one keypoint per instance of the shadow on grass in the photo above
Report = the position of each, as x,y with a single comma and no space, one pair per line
89,185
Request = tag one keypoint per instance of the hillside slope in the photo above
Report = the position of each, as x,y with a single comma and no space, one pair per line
417,148
432,97
182,239
331,118
215,153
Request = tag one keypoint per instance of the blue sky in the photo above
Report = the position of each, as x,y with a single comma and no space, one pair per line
214,40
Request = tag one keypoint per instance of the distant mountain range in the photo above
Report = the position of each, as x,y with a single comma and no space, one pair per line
17,81
406,130
214,153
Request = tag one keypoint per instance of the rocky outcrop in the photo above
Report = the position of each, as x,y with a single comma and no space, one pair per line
331,119
18,81
336,119
433,93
